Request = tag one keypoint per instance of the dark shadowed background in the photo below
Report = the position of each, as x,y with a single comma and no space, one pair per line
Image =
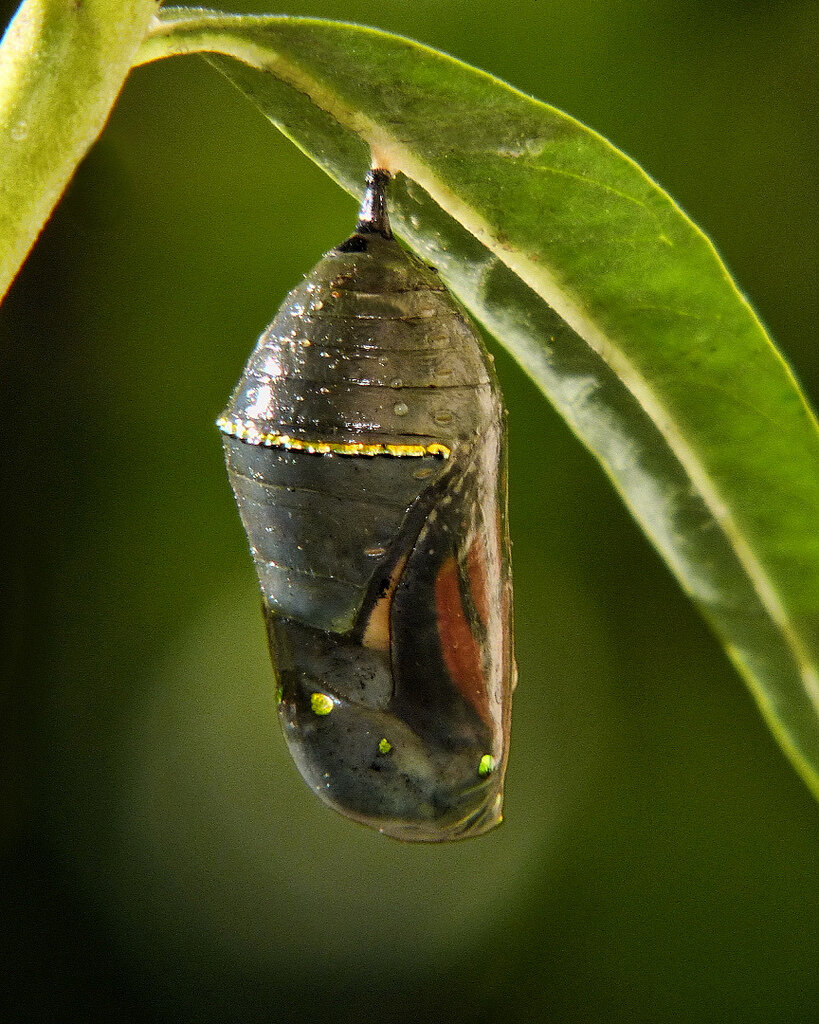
161,859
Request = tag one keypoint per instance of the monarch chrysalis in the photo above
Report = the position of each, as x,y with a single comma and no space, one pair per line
365,444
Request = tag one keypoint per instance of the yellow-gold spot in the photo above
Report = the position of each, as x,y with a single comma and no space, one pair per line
321,703
385,746
487,765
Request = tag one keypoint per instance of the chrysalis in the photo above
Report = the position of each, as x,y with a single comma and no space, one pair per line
365,445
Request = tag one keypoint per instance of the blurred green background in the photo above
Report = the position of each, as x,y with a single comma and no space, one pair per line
161,860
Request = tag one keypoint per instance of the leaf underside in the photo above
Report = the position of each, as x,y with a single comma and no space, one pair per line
610,298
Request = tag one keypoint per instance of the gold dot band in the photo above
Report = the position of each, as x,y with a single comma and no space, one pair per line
250,434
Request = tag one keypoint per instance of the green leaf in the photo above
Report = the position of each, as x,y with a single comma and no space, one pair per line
61,67
612,300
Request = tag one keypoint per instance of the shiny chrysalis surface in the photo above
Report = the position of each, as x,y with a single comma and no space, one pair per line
365,445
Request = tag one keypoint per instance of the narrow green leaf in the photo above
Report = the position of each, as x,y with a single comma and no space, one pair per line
613,301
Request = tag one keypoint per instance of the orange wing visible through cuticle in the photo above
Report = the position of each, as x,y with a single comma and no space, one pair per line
377,631
461,651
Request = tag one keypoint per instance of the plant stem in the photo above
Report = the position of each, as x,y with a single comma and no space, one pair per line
62,65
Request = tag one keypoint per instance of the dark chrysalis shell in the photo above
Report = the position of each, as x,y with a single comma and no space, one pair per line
365,445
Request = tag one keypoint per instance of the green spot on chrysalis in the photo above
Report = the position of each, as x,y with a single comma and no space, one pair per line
487,765
385,746
321,703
